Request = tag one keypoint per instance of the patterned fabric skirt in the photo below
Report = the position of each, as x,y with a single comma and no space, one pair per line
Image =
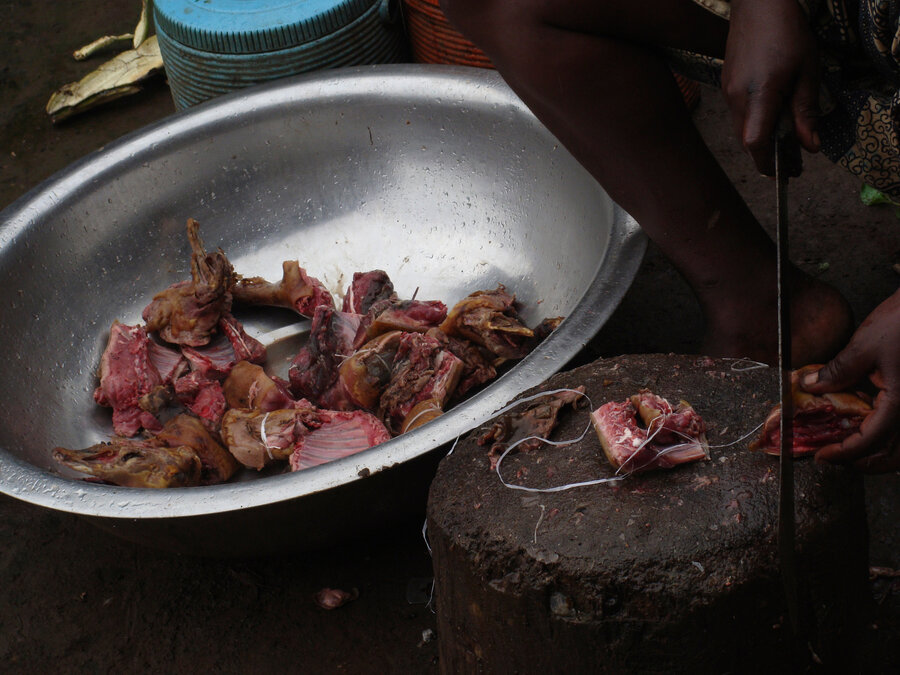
859,44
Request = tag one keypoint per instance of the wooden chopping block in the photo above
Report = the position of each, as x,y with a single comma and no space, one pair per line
666,571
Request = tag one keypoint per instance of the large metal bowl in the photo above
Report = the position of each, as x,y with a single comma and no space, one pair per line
439,175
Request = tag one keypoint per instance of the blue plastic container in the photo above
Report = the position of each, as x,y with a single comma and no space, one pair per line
210,47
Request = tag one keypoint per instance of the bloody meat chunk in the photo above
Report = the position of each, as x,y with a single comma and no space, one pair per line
490,319
340,434
169,363
478,366
296,290
314,371
422,370
203,396
216,359
411,316
148,463
670,436
127,374
366,289
217,464
818,420
187,313
533,420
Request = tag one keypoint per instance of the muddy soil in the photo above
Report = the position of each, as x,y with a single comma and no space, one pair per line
74,599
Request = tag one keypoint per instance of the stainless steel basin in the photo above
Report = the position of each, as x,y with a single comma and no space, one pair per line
438,175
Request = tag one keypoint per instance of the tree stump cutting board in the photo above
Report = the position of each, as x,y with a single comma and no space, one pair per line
666,571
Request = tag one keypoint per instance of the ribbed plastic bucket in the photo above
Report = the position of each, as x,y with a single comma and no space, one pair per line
216,47
433,40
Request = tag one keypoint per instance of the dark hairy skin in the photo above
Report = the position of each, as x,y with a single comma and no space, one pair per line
593,74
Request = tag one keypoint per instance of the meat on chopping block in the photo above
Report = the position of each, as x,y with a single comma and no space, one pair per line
659,571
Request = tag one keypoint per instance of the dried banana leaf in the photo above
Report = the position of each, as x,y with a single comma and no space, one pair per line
142,30
117,77
102,44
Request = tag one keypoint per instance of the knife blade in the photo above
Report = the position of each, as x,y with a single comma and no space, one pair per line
787,163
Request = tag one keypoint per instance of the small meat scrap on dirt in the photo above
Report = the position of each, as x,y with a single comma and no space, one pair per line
529,423
665,437
332,598
818,420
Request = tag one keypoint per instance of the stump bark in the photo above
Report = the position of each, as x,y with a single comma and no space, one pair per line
666,571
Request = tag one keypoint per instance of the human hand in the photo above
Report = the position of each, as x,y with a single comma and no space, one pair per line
771,70
873,351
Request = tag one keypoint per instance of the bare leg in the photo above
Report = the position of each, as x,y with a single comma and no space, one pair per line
588,72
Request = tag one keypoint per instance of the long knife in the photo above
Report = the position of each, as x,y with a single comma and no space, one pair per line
787,163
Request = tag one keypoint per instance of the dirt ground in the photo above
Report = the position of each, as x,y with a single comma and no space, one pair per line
75,599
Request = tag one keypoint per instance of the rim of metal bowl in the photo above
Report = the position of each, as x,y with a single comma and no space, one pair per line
24,481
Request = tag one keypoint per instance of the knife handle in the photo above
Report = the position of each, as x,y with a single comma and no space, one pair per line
787,147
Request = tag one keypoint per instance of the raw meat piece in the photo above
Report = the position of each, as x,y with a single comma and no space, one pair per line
256,438
818,420
411,316
422,370
203,396
536,418
245,347
478,366
314,371
126,375
135,463
490,319
365,374
671,437
216,359
341,434
218,465
249,387
187,313
366,289
169,363
296,290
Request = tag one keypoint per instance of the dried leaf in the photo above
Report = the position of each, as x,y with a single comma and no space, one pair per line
101,44
117,77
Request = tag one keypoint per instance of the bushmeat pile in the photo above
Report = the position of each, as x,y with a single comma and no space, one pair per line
192,402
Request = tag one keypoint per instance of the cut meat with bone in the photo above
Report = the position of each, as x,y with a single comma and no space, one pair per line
314,371
135,463
218,465
477,362
422,370
532,420
127,374
203,396
340,434
248,386
818,420
411,316
187,313
490,319
366,289
216,359
672,436
296,290
367,372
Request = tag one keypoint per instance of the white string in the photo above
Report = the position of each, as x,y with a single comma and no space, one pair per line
754,365
262,437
